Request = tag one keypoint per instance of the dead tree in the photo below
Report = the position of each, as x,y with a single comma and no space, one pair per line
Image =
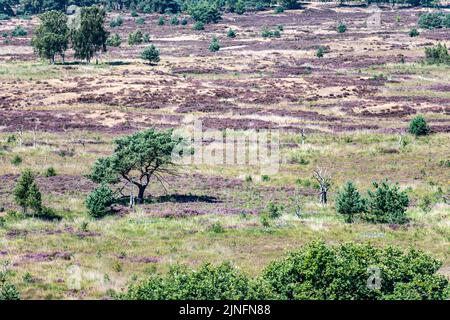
20,134
324,180
303,136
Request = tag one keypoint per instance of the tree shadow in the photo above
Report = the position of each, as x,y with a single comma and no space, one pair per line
117,63
185,198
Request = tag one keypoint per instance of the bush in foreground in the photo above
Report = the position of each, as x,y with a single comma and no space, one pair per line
99,201
418,126
316,271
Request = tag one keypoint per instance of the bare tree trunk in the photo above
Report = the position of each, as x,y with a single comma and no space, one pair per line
141,192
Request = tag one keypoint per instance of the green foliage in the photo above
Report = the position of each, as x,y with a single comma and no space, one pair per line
426,203
146,38
19,31
90,37
274,210
134,14
217,227
140,21
50,172
318,271
150,54
174,21
114,41
16,160
320,52
349,202
240,7
117,22
266,33
437,54
290,4
7,290
135,37
418,126
99,201
161,21
184,22
433,20
137,158
279,9
223,282
51,37
387,204
231,33
214,45
341,28
199,26
414,33
204,12
27,194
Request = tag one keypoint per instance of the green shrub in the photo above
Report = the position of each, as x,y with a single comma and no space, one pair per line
350,272
16,160
387,204
320,52
140,21
204,12
290,4
431,20
214,45
114,41
150,54
134,14
217,227
161,21
19,31
99,201
266,33
349,202
426,203
4,17
146,38
231,33
199,26
135,37
279,9
240,7
418,126
7,290
117,22
174,21
437,54
208,283
274,210
184,22
341,28
414,33
27,194
50,172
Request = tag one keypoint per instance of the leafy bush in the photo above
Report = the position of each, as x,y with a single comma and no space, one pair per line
174,21
146,38
431,20
161,21
50,172
320,52
266,33
7,290
135,37
349,272
117,22
199,26
418,126
19,31
349,202
240,7
231,33
140,21
414,33
16,160
208,283
387,204
151,54
279,9
27,194
437,54
184,22
114,41
99,201
214,45
274,210
4,17
134,14
290,4
204,12
341,28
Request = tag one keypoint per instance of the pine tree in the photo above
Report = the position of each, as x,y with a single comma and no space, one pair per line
349,202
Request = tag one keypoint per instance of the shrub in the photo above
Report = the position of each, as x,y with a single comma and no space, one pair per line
217,227
279,9
161,21
240,7
184,22
199,26
140,21
431,20
134,14
50,172
274,210
290,4
16,160
208,283
349,202
117,22
341,28
320,52
19,31
4,17
426,203
231,33
174,21
135,37
204,12
418,126
146,38
26,192
151,54
414,33
387,204
214,45
114,41
437,54
7,290
266,33
99,201
345,272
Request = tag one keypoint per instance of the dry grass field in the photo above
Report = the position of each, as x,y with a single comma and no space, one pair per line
353,106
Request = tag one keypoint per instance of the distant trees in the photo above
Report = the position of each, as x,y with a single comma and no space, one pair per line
150,54
434,20
204,12
437,54
137,159
90,37
51,37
